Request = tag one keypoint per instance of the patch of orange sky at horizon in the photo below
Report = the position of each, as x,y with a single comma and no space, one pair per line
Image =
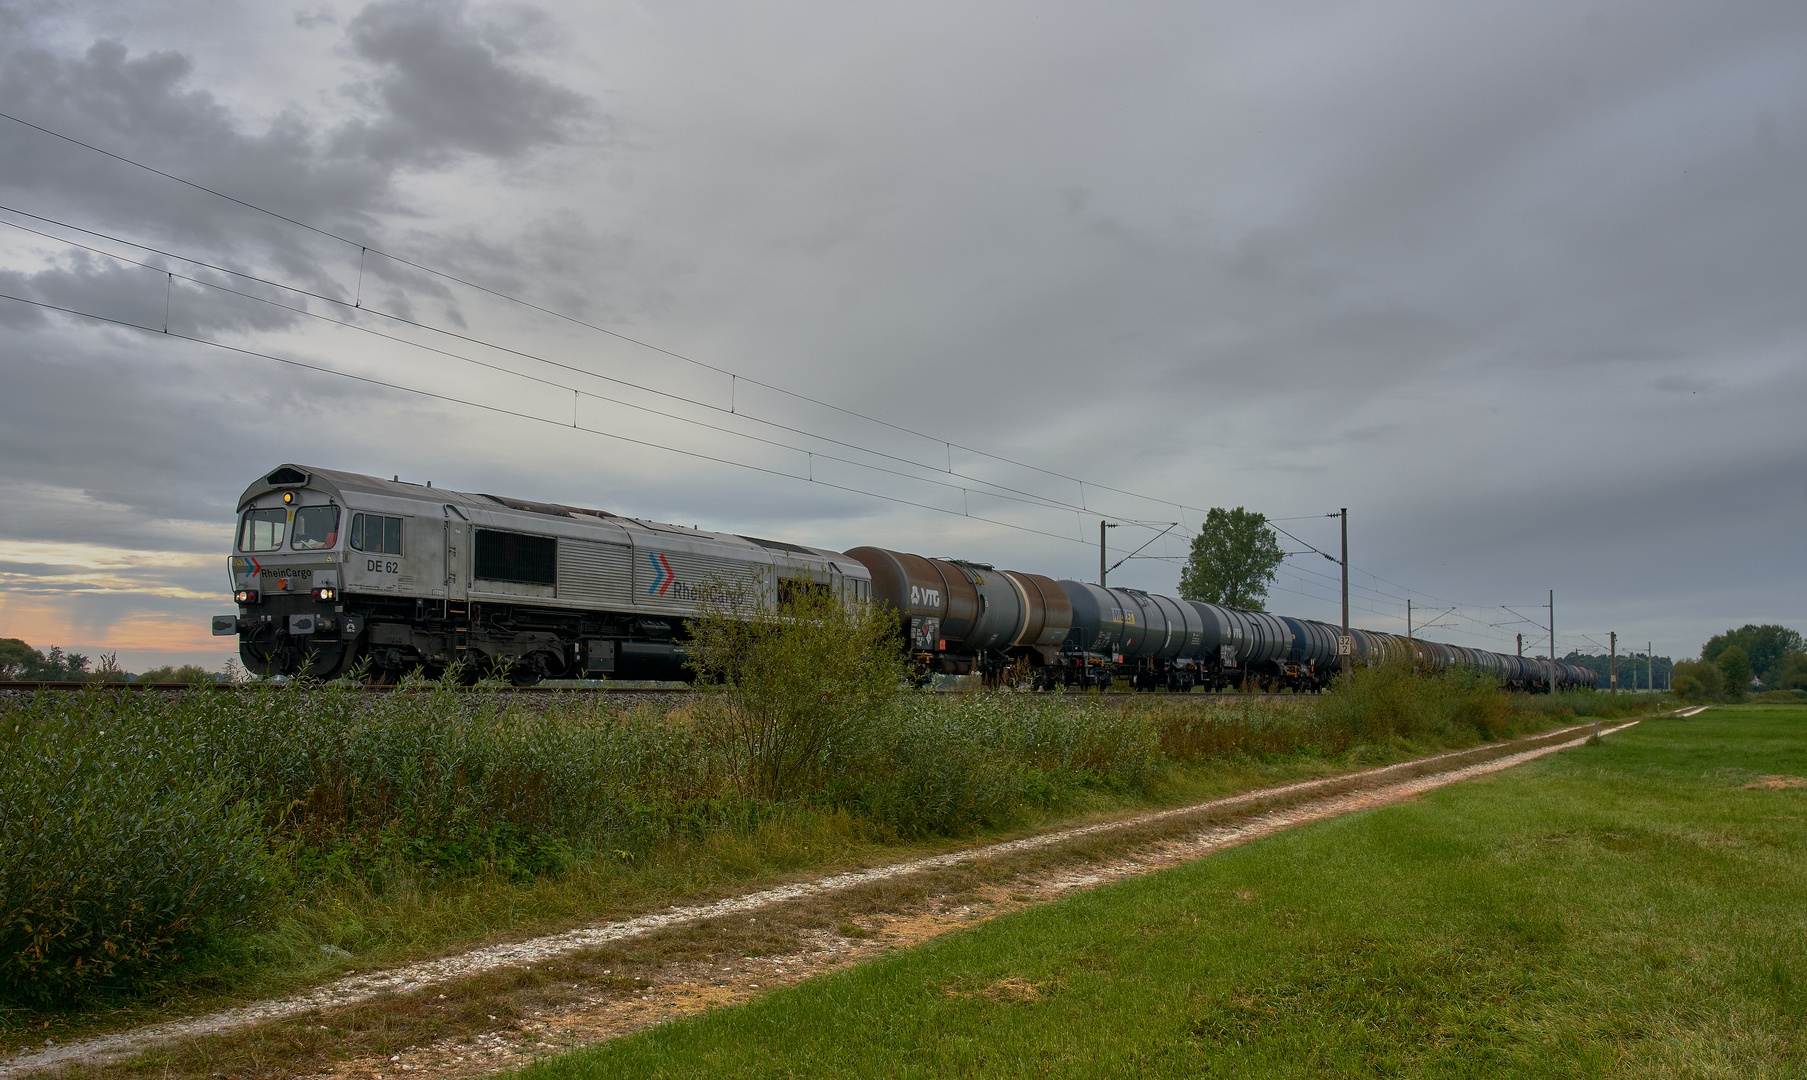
42,625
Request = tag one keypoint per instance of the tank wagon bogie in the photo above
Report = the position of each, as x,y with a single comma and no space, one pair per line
333,570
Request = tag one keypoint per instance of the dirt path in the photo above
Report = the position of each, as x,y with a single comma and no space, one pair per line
685,983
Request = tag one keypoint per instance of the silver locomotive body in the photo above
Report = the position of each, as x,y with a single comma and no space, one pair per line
331,569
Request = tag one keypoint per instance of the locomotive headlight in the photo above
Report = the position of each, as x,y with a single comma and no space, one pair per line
326,595
246,596
288,497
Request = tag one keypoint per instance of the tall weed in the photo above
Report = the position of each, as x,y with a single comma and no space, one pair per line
123,846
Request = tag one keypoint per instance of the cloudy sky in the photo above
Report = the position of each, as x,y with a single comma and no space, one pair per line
1524,286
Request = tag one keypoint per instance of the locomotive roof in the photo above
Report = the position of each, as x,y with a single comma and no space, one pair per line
336,482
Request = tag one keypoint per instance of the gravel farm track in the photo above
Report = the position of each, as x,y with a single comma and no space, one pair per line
503,1005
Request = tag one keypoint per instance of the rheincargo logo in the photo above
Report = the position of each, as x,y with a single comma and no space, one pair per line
663,576
666,584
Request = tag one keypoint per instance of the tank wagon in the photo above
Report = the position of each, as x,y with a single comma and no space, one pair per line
332,568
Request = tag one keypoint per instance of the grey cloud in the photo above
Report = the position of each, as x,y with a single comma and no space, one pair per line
444,88
140,107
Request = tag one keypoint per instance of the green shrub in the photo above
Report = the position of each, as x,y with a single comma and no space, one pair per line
1391,700
1697,680
797,692
125,844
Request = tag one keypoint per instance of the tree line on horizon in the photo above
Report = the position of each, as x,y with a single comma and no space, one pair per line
1749,659
18,660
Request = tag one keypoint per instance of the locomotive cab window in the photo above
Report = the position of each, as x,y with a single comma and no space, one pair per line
263,530
376,534
516,557
316,527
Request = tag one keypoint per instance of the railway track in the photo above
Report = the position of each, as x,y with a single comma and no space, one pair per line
654,692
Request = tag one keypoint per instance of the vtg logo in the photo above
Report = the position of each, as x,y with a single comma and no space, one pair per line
921,597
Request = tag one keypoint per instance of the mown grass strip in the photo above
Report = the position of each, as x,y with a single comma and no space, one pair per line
1631,908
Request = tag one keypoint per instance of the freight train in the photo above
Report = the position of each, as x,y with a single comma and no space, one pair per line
335,571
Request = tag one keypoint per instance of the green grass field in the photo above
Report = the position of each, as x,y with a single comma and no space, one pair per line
1627,909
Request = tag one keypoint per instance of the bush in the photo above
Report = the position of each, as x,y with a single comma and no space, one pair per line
1391,700
1697,681
794,693
126,847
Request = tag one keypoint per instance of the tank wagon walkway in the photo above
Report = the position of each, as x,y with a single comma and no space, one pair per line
1226,822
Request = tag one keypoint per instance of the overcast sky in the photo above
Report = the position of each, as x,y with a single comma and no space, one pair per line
1524,286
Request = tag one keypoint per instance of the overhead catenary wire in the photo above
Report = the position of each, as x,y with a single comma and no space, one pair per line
366,250
501,410
1000,491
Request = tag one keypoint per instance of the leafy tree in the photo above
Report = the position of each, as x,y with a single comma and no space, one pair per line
1735,664
20,661
1791,672
16,658
1764,646
1233,560
1697,680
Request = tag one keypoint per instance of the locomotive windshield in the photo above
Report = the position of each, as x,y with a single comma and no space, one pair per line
263,530
316,527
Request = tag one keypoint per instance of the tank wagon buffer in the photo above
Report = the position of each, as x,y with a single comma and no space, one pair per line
331,569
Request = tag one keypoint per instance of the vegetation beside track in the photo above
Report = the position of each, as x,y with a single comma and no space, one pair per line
238,844
1633,908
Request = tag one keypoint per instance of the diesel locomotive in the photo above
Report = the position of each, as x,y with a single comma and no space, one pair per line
332,570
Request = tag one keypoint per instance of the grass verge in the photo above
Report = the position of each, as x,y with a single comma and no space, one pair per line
1633,908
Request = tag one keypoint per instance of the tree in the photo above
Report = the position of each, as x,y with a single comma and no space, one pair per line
1791,673
1735,664
20,661
1233,560
16,658
1764,646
